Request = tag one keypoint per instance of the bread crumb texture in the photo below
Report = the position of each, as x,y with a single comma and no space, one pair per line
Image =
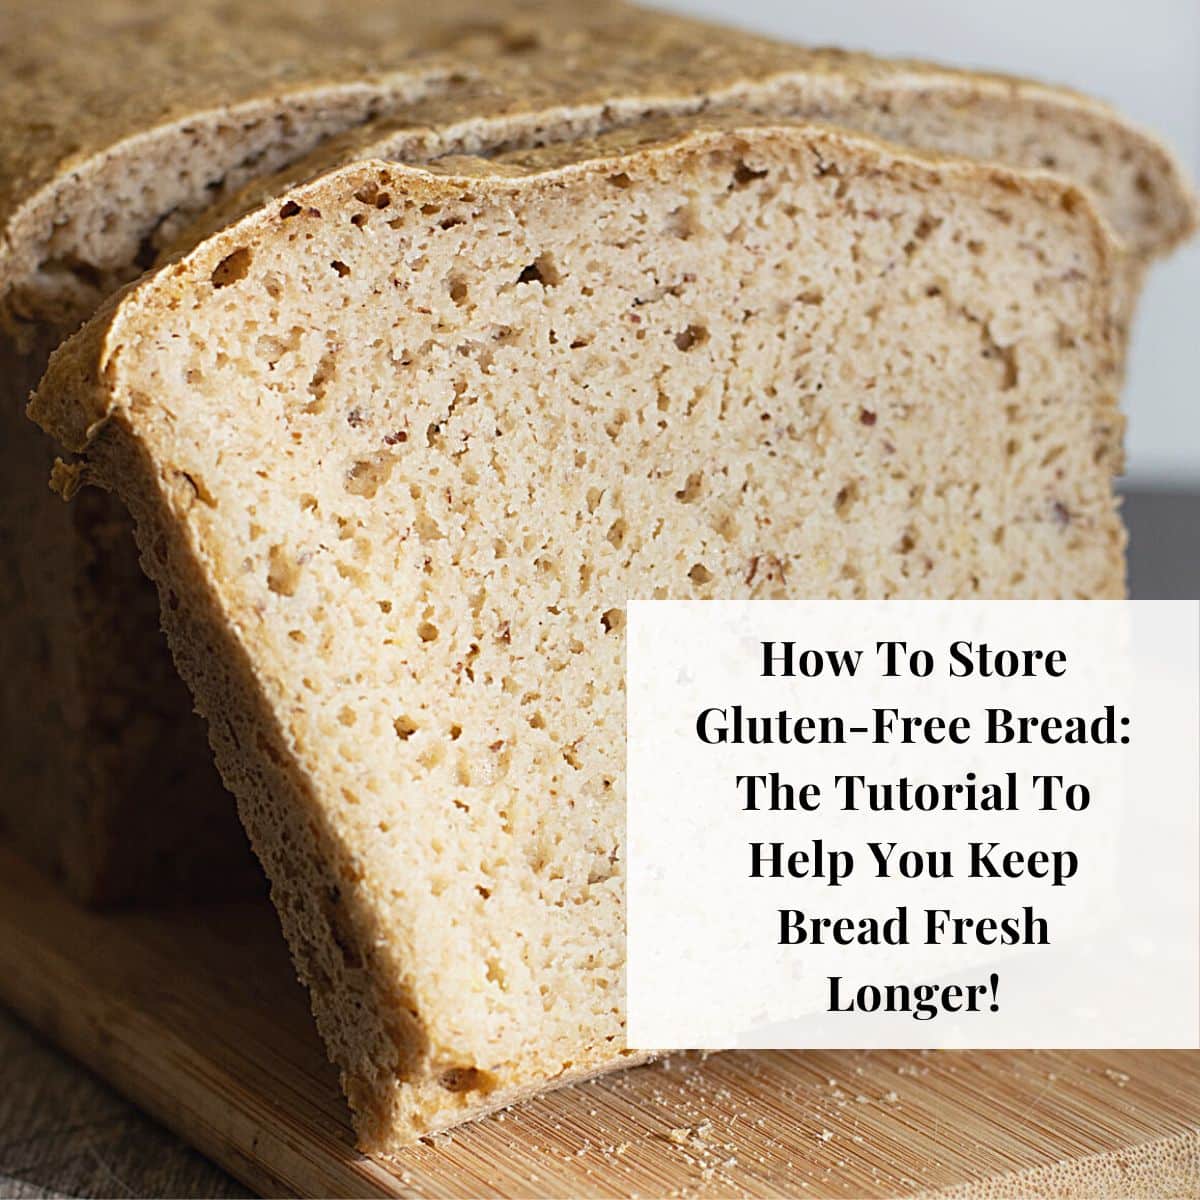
402,446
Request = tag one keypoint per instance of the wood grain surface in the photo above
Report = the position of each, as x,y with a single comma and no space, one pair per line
195,1015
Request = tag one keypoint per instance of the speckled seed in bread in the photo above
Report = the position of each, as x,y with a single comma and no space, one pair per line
401,447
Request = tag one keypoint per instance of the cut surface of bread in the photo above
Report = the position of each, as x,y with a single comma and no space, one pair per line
1134,180
400,448
122,117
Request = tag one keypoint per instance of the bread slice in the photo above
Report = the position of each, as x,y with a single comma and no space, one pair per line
400,448
122,117
99,178
1135,181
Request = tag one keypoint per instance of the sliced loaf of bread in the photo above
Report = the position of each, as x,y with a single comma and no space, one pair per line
100,178
401,446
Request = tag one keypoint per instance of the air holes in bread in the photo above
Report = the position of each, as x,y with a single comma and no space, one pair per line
691,488
283,571
373,195
232,267
466,1079
542,270
693,335
369,474
844,500
613,620
744,175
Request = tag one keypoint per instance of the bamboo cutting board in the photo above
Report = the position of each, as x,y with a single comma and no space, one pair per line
196,1016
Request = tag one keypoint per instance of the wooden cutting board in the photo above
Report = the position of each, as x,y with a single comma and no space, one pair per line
196,1016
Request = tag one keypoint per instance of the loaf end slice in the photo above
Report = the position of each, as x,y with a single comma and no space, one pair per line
400,448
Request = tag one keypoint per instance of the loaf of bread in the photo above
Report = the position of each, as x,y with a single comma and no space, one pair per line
104,169
402,444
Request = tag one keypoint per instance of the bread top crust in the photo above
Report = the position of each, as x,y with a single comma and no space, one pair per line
90,88
83,77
